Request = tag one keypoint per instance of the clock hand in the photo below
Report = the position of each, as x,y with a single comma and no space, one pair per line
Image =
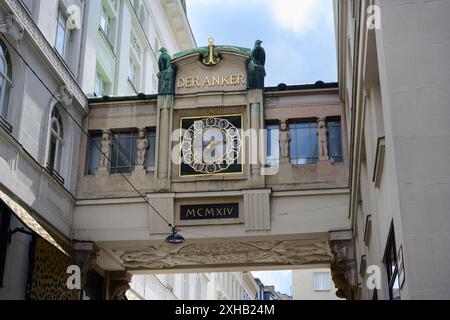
212,144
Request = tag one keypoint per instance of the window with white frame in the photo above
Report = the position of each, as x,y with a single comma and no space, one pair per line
100,85
322,281
5,80
56,143
133,74
108,22
105,22
62,39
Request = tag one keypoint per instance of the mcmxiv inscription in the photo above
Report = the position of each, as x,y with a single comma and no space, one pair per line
209,211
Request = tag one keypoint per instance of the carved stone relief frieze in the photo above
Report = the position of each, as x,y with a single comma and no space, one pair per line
163,256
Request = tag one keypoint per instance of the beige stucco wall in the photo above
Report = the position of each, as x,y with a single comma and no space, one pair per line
402,94
303,285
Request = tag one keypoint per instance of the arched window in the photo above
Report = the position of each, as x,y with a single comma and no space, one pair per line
56,141
5,80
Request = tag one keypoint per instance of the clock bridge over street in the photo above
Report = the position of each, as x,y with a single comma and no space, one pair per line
233,214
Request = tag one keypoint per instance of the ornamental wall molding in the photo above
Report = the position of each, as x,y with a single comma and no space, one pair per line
12,27
164,256
64,96
27,23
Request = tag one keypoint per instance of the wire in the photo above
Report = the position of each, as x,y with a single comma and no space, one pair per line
84,131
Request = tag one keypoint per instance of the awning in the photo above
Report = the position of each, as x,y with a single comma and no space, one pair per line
27,219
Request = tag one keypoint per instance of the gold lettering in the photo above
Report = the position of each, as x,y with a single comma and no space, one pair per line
200,212
230,211
196,82
241,79
233,79
181,83
216,81
206,81
189,82
225,80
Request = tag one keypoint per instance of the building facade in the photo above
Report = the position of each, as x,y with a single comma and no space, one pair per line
50,54
112,46
394,81
313,284
201,286
281,207
253,177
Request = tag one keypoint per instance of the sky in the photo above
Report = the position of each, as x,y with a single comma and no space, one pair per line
298,35
300,44
282,280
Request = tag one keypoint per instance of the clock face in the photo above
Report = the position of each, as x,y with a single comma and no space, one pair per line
211,145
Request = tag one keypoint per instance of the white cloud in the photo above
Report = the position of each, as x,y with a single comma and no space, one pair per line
282,280
295,15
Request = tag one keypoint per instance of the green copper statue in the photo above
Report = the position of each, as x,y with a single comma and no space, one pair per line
166,74
256,71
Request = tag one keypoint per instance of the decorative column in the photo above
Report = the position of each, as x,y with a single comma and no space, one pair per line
323,138
166,91
255,112
344,268
118,285
256,74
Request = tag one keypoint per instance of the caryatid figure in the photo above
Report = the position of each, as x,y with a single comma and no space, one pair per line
285,139
106,150
323,138
141,148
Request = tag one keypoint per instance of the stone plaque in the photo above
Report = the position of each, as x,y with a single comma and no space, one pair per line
209,211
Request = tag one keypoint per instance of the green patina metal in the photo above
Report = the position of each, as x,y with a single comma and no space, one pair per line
255,65
166,74
256,71
203,50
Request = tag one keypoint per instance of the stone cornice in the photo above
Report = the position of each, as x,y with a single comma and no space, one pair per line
47,51
179,23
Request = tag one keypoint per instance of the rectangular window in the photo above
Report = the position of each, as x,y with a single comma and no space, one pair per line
133,73
5,217
304,146
123,152
99,90
151,152
390,259
62,35
273,144
105,22
94,154
322,281
335,140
